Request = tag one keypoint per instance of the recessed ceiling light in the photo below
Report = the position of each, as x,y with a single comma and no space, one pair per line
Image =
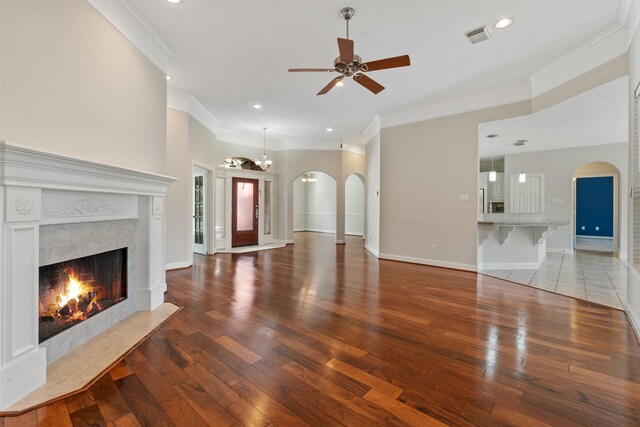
174,1
257,106
340,84
168,77
329,130
503,23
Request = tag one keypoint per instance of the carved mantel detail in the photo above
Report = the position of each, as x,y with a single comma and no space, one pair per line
91,206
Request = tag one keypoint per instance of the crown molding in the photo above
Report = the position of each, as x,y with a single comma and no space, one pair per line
372,129
128,21
190,105
630,17
609,44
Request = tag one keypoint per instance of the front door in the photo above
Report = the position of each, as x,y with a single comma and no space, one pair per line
244,215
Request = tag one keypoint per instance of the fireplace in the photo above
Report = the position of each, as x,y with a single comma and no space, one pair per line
72,291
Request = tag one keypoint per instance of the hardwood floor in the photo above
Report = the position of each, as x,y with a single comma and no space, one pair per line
319,334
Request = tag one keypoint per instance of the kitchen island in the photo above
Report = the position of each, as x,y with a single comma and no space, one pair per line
514,241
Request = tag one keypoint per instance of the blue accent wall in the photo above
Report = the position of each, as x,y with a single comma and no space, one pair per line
594,206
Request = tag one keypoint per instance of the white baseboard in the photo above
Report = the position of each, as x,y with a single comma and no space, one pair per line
560,250
594,237
340,242
353,233
432,262
178,265
510,266
288,242
317,230
373,251
622,256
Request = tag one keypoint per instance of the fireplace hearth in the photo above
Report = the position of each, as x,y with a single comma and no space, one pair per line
72,291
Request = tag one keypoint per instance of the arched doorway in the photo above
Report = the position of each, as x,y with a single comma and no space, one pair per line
314,202
596,209
354,205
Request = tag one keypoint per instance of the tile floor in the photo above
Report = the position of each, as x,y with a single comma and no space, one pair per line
591,276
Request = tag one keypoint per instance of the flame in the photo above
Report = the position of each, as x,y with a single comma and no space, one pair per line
75,288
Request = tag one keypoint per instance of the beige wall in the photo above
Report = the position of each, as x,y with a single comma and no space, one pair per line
72,84
372,197
424,167
188,142
633,281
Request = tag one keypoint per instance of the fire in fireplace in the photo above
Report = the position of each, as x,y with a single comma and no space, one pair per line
73,291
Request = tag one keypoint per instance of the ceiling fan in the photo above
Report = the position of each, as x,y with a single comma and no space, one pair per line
348,64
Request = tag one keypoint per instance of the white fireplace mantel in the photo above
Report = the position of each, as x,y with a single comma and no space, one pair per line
38,188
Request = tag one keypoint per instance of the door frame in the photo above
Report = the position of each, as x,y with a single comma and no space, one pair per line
209,228
228,174
255,205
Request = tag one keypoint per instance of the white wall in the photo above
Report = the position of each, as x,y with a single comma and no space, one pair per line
558,167
315,204
354,206
72,84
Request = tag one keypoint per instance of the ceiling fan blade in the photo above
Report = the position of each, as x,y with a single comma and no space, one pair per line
369,83
346,49
330,86
383,64
310,70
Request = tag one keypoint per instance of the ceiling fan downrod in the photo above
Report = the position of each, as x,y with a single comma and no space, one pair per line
347,13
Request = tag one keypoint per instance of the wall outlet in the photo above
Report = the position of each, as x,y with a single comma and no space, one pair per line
433,248
582,228
463,197
597,228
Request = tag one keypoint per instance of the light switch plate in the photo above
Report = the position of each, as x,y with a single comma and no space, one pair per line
463,197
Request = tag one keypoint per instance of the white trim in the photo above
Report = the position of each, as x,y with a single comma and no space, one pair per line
27,167
511,265
354,233
629,17
178,265
633,320
560,250
341,242
623,257
372,129
190,105
373,251
130,23
315,230
595,237
583,47
431,262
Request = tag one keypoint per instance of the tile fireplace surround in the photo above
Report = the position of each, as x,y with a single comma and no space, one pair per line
54,208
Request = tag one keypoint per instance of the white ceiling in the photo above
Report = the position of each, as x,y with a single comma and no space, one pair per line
598,116
232,54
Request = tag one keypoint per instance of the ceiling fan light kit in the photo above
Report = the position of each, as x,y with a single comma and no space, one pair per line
348,64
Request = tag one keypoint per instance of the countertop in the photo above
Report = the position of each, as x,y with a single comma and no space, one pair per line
520,220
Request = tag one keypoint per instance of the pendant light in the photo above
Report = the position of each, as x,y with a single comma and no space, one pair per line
492,173
264,163
522,177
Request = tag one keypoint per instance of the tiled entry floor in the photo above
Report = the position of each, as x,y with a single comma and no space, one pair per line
592,276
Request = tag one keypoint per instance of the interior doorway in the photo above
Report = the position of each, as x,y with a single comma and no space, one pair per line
245,212
354,205
595,207
199,210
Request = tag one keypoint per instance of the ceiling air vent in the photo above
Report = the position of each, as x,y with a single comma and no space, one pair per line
520,142
478,35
